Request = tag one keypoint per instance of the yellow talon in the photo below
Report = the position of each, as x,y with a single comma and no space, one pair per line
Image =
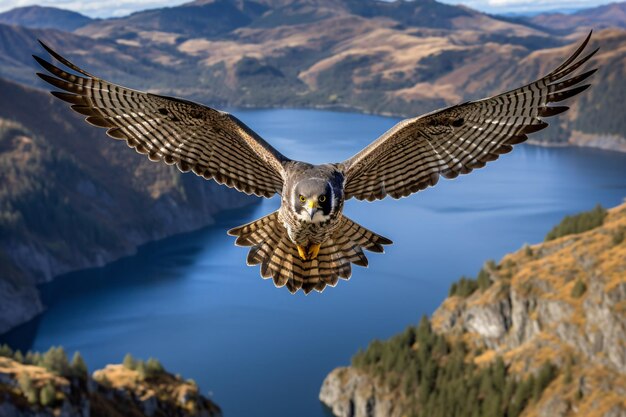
310,252
302,252
314,249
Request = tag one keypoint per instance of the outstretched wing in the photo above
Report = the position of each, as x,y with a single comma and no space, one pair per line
211,143
413,154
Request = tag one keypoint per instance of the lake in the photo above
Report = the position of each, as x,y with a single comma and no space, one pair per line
258,351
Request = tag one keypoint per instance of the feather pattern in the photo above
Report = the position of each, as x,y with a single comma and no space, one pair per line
413,154
211,143
278,256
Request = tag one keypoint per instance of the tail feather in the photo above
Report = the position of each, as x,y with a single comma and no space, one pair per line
271,248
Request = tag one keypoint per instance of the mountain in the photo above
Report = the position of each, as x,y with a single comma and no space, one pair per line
214,18
612,15
44,17
71,198
47,385
594,119
541,333
398,58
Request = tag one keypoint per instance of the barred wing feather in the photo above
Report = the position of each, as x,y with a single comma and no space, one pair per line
211,143
414,153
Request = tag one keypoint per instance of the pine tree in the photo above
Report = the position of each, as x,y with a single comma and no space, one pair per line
546,374
79,367
129,362
55,360
153,368
28,388
579,289
6,351
141,369
47,396
483,280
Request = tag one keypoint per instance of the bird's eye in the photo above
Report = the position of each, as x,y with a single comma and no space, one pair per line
302,199
322,198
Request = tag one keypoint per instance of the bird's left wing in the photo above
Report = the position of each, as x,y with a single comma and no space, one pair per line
413,154
211,143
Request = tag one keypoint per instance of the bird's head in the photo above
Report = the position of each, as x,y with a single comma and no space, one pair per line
314,200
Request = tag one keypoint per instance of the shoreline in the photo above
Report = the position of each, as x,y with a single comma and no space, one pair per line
576,139
32,307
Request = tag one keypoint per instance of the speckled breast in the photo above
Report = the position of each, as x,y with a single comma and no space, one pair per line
306,233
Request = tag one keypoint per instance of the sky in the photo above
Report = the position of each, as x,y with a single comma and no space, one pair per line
99,8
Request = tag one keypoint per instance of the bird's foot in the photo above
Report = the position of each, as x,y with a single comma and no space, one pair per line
313,250
310,252
302,252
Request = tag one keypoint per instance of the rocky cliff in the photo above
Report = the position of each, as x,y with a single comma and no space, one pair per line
550,318
71,198
56,388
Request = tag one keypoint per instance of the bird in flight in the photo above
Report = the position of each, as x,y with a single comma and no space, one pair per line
308,243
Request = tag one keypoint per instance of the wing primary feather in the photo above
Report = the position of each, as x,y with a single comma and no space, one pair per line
65,61
575,55
536,127
69,97
59,83
573,67
563,95
573,81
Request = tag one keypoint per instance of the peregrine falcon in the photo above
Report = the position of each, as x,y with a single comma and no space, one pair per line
308,243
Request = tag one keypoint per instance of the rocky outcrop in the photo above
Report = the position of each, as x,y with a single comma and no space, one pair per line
561,302
350,393
114,391
533,295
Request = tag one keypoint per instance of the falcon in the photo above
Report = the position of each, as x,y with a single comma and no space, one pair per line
308,243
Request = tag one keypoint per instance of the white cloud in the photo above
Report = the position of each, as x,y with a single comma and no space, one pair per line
508,6
94,8
99,8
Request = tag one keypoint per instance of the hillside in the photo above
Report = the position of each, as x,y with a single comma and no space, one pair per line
44,17
49,385
592,120
400,58
611,15
541,333
71,198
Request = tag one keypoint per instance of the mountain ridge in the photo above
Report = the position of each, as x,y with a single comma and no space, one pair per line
612,15
282,53
41,17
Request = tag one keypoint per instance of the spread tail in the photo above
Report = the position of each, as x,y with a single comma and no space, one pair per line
279,259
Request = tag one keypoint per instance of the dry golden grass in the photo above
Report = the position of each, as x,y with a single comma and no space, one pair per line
486,358
39,376
165,387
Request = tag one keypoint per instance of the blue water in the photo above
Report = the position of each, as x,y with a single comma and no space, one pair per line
261,352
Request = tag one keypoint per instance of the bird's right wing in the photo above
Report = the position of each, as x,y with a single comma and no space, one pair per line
211,143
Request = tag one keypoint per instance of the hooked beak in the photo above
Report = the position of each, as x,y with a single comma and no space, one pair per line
311,208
